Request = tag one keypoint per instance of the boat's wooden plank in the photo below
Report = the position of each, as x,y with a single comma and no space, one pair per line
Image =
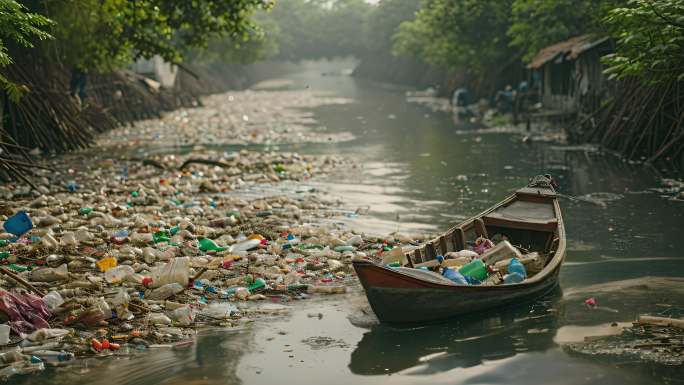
449,242
522,225
459,239
442,245
409,262
417,256
554,245
480,228
430,252
526,192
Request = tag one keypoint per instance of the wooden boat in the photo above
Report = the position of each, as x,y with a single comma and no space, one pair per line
530,219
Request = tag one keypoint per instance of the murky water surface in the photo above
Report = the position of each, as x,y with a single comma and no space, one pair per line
421,171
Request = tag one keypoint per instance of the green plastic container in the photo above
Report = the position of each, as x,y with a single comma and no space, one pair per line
259,283
474,269
206,244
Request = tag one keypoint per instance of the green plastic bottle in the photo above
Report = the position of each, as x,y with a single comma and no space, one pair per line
474,269
259,283
18,268
206,244
161,236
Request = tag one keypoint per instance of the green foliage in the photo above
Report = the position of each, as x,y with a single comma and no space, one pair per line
650,40
103,34
383,22
257,46
18,27
455,33
313,29
539,23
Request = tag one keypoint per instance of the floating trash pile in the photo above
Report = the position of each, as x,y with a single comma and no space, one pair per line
245,117
651,339
112,256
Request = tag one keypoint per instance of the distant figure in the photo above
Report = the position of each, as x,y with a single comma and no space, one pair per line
77,85
460,98
504,99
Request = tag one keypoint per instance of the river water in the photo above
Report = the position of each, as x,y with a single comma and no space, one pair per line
422,171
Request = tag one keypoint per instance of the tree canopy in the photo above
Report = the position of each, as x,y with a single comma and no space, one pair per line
102,34
18,27
650,40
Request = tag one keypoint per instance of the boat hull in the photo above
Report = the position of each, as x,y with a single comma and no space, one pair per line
396,298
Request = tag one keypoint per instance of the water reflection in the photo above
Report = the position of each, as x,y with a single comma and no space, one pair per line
463,343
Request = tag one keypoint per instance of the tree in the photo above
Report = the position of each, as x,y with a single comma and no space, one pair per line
18,27
650,41
539,23
314,29
382,24
104,34
455,33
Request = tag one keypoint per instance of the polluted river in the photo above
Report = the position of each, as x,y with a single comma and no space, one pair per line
405,166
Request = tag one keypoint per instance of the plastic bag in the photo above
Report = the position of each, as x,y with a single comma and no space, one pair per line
175,271
184,315
219,310
52,300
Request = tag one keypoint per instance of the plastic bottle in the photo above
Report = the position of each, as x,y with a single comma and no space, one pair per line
454,275
513,278
342,249
161,236
241,293
11,356
159,319
514,266
48,274
206,244
166,291
177,270
475,269
4,334
259,283
185,315
245,246
118,274
53,356
516,272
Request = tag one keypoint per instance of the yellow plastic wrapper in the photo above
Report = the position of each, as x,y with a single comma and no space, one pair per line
106,263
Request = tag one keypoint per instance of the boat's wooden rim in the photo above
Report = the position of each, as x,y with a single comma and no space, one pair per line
555,261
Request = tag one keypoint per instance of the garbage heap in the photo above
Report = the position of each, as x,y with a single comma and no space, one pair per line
487,262
114,255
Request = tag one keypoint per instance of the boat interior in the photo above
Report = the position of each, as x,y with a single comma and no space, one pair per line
528,220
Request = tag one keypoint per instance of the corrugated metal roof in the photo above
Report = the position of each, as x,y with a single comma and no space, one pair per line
573,47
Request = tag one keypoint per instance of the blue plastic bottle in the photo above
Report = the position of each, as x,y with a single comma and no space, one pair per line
513,278
516,267
516,272
455,276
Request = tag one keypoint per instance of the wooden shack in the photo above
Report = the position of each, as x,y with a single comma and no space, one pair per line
568,76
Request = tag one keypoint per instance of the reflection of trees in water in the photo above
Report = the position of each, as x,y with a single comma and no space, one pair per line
465,342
